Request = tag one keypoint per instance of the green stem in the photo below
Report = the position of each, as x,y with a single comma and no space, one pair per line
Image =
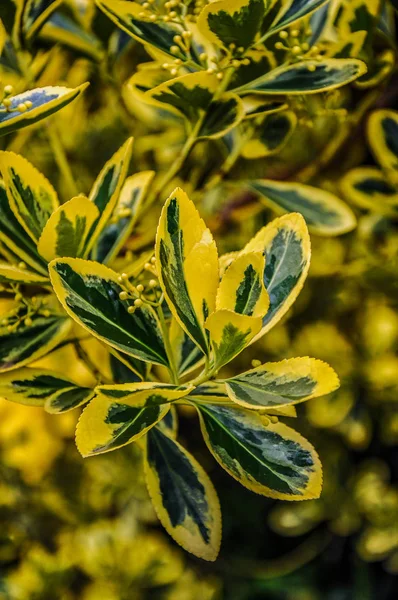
61,160
169,351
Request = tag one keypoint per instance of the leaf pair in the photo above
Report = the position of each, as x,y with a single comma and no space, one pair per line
42,387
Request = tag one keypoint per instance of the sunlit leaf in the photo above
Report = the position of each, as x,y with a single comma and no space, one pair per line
31,196
107,187
14,274
14,237
230,333
187,261
121,414
271,460
89,292
286,246
66,231
278,384
124,217
292,12
242,289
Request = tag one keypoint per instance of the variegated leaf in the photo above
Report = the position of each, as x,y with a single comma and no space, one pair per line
230,333
324,213
369,188
42,387
10,273
45,101
121,414
187,261
286,246
242,288
232,22
222,115
383,139
28,343
128,16
291,12
183,496
32,386
272,460
307,77
14,237
34,15
66,231
106,189
89,292
31,196
271,136
124,217
282,383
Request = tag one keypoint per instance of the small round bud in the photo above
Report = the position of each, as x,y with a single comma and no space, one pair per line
123,295
173,72
203,56
22,107
236,64
283,35
138,302
8,90
295,33
146,5
142,15
279,46
232,46
153,18
140,288
18,297
173,15
186,35
241,49
274,419
220,76
10,328
256,362
152,283
7,102
22,265
147,266
178,61
305,46
153,260
165,65
177,39
28,322
174,49
46,313
131,310
311,68
124,276
210,71
246,62
166,18
296,50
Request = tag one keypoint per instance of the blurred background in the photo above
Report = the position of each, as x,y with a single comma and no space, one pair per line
74,529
